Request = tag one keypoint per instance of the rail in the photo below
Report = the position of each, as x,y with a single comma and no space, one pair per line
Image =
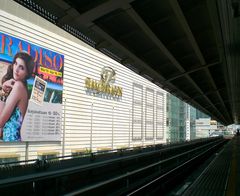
119,171
128,180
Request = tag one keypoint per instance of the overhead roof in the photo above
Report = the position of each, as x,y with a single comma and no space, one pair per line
188,47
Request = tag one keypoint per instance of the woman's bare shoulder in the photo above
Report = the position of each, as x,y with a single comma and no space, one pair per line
19,86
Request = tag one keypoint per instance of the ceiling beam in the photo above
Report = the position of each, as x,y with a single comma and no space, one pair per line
91,15
182,20
209,92
192,71
215,87
159,21
143,67
201,92
227,31
148,32
102,44
161,46
61,3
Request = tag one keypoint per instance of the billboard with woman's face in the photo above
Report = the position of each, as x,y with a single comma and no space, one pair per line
31,85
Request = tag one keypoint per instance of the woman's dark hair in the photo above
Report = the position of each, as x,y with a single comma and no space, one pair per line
29,65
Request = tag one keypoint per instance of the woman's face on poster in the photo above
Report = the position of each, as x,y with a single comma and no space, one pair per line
19,70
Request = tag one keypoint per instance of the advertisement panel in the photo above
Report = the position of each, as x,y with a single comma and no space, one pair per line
31,79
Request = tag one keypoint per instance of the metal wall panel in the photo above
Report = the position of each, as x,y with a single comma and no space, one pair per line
160,118
149,114
137,112
88,121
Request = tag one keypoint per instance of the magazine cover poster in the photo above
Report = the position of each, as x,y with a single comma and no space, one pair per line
31,85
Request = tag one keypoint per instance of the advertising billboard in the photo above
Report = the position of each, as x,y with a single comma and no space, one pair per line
31,79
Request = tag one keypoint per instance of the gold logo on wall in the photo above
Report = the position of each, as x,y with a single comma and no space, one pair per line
108,76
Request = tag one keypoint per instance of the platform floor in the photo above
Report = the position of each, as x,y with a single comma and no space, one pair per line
222,176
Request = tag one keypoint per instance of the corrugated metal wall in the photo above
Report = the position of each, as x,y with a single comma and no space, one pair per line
88,121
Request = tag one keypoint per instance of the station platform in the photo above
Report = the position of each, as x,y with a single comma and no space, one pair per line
222,175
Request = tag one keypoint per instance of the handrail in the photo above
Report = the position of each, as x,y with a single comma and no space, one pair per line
82,190
65,171
168,146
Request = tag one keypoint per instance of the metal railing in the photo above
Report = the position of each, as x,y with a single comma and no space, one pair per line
120,169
